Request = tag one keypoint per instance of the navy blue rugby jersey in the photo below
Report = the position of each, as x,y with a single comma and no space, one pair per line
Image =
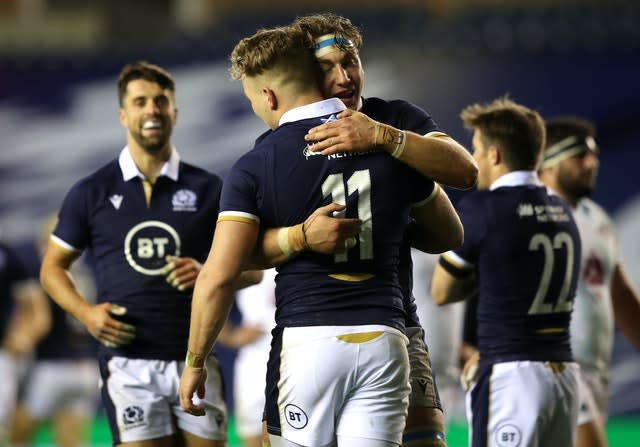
12,271
405,116
524,245
107,213
280,182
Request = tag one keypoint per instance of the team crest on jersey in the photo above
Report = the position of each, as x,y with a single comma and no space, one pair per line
295,417
133,416
184,200
148,243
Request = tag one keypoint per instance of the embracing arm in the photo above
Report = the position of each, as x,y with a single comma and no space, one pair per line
435,155
626,306
436,227
320,233
213,296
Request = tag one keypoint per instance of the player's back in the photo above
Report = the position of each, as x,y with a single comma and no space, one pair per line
527,265
359,286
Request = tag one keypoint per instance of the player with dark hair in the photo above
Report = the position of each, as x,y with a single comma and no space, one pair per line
147,217
605,296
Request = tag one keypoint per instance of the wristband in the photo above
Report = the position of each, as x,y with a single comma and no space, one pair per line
400,146
194,361
292,239
283,241
390,139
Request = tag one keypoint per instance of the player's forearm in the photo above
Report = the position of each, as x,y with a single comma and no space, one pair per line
268,252
440,158
445,288
277,245
211,304
58,283
36,305
437,227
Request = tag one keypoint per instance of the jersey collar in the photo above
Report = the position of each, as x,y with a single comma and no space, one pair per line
130,170
517,178
315,109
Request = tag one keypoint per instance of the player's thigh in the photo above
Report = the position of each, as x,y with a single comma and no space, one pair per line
163,441
376,406
71,428
249,382
191,440
9,374
424,392
590,434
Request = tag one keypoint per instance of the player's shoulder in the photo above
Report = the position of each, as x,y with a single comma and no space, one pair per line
592,209
475,198
375,103
105,175
195,172
591,213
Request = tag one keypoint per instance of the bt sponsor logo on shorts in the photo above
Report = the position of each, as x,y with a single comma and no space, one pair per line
508,435
295,417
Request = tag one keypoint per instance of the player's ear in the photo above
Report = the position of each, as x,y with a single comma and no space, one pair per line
271,98
122,118
494,155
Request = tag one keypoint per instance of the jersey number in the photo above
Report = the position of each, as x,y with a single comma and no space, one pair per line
360,182
562,304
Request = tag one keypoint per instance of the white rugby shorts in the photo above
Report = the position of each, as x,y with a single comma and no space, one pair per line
524,404
141,400
328,381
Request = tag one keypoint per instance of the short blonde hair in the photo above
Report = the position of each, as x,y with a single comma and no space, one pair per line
285,50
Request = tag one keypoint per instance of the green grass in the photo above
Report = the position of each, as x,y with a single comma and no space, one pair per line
621,432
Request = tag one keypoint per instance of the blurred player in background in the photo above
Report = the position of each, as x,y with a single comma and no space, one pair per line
605,297
521,254
444,327
252,338
148,219
61,384
24,320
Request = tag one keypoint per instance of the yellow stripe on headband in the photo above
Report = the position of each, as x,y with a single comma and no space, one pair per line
329,42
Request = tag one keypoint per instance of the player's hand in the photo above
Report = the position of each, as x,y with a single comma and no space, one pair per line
106,329
181,273
192,382
351,132
327,234
470,371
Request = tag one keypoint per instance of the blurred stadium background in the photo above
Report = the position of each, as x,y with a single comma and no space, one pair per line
58,106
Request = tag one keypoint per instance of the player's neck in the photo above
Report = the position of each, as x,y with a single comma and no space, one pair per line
150,163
